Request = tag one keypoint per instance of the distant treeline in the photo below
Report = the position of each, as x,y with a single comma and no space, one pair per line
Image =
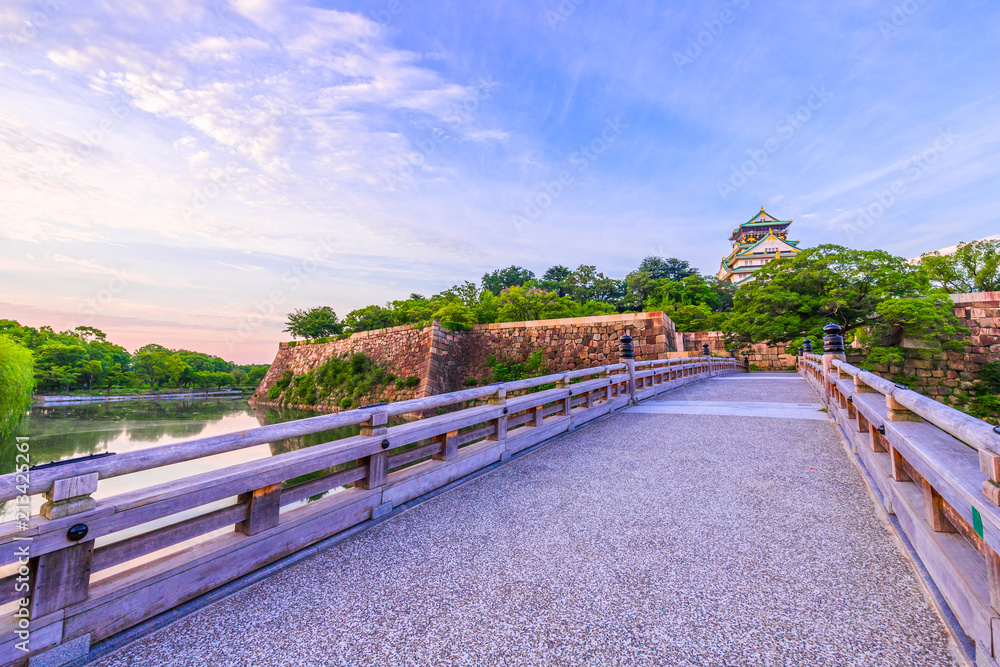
693,301
83,358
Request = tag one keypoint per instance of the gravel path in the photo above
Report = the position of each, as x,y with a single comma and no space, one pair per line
643,539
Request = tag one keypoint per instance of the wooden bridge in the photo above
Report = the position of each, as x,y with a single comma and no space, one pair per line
653,512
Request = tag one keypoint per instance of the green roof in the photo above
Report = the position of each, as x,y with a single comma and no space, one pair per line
758,242
764,224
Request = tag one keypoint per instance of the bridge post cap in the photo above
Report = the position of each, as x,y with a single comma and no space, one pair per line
832,329
705,348
626,350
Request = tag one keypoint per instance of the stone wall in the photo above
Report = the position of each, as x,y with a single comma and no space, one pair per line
763,357
567,344
447,360
404,351
947,375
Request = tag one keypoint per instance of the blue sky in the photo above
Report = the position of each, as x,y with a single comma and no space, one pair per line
186,172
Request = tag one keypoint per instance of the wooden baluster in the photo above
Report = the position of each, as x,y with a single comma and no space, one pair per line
61,578
263,506
449,446
993,577
898,472
377,463
934,510
876,440
989,463
500,423
899,412
567,401
861,388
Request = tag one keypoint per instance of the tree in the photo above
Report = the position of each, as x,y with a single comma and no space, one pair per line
501,279
586,283
313,323
973,267
517,304
870,292
554,279
670,268
369,318
16,384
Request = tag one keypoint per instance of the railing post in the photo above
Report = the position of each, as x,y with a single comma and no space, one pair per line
263,506
378,463
833,348
500,423
62,578
628,358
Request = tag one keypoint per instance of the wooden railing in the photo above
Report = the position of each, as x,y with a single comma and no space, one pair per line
938,471
259,505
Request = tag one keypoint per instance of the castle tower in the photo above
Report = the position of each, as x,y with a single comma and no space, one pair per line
755,243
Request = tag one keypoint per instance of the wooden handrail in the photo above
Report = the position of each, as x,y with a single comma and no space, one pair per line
349,481
920,458
973,432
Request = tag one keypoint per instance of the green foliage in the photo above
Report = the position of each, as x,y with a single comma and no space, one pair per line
877,296
369,318
342,381
906,380
408,382
973,267
280,385
471,382
989,378
672,269
456,312
83,358
314,323
501,279
985,407
509,372
16,385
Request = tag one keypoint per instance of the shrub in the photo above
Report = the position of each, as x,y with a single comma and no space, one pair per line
346,403
407,383
280,386
471,382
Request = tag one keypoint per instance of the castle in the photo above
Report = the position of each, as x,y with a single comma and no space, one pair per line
755,243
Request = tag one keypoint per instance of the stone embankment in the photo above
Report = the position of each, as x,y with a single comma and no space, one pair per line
444,360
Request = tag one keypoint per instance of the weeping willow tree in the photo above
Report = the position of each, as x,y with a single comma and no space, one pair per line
16,384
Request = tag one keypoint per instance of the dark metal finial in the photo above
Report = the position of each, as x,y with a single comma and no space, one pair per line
706,350
625,351
833,342
808,345
801,350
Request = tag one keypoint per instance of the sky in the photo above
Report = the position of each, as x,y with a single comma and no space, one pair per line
186,172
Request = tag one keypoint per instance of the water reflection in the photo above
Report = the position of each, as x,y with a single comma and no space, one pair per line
64,432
